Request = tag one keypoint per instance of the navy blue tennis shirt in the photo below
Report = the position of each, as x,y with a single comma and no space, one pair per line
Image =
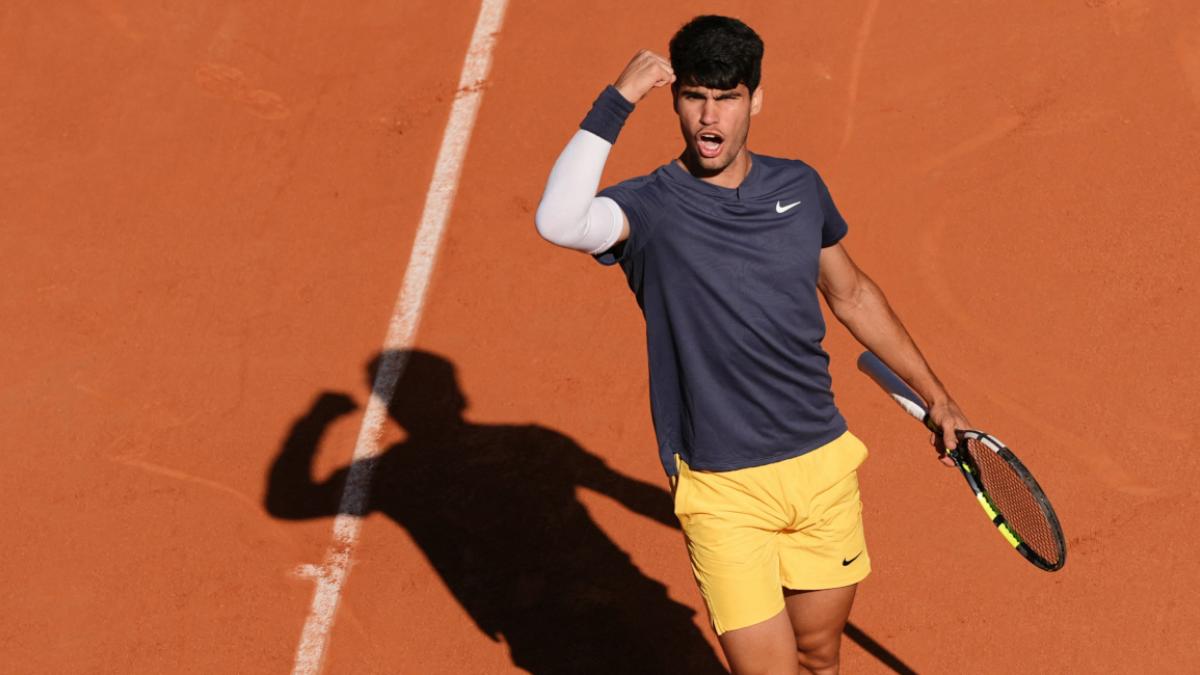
727,282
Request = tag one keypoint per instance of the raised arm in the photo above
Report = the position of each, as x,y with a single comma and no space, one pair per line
291,491
570,214
859,304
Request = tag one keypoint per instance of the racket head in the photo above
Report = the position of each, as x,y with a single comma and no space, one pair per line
1011,496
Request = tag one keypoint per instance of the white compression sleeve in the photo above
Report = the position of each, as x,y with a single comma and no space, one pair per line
570,214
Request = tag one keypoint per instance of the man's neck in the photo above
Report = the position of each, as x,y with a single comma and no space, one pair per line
729,177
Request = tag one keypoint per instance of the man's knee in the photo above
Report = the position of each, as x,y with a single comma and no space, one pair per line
819,651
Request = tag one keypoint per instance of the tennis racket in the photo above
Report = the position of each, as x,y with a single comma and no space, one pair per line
1005,489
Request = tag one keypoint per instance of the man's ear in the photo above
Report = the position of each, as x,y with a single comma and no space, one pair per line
756,101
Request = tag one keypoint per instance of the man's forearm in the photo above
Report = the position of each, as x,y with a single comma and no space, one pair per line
570,214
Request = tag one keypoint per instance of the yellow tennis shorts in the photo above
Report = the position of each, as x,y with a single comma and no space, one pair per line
793,524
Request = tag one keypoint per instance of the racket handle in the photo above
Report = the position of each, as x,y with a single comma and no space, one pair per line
892,384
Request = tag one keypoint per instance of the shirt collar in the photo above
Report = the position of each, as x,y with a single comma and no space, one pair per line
747,188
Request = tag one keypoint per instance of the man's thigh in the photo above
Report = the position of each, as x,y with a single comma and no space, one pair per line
803,638
767,647
819,617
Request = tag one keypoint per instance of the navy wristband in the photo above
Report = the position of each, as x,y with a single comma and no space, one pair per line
607,115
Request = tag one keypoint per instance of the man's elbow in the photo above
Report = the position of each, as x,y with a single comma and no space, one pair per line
547,225
843,311
596,228
865,303
848,306
554,227
564,227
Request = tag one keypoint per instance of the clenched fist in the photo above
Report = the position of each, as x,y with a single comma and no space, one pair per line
645,71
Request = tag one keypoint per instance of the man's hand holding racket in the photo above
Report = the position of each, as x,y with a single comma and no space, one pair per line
949,418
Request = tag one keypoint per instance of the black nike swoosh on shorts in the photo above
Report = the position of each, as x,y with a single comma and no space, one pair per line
847,562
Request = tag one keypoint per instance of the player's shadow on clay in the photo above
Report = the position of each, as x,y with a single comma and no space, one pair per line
494,509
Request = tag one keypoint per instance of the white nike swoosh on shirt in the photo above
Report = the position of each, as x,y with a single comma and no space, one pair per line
779,208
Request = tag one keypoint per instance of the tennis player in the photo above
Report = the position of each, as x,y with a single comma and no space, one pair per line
725,251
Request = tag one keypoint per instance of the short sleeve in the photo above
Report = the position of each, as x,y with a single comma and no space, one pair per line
640,203
834,227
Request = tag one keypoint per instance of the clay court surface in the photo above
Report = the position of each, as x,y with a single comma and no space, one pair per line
207,211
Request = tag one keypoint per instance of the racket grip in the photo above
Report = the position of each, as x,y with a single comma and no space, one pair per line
892,384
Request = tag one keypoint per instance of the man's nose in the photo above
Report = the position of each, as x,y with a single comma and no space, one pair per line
708,113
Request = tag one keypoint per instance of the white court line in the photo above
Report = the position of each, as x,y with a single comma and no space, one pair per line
860,46
330,576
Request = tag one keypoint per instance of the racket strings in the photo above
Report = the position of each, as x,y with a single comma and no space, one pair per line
1014,498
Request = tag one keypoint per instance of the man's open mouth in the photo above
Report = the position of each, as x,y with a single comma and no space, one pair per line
709,144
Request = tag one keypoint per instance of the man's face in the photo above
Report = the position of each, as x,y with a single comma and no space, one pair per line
715,122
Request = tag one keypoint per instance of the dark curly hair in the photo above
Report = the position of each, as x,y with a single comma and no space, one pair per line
718,52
